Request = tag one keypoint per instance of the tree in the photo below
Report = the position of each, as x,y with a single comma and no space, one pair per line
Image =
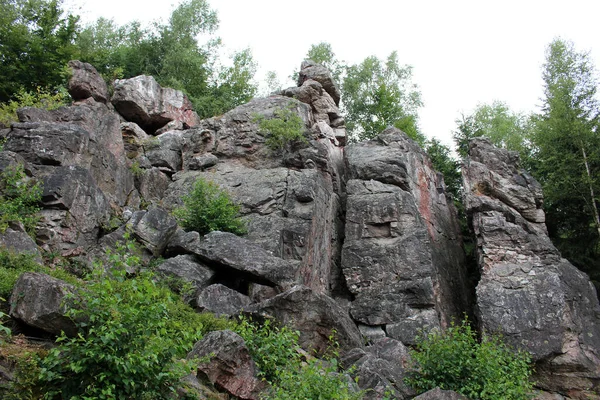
567,153
498,123
171,53
36,42
443,162
377,94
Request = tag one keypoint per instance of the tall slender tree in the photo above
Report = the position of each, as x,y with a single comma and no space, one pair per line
567,153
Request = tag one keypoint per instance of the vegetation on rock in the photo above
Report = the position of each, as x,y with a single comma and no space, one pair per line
209,208
286,127
455,360
19,198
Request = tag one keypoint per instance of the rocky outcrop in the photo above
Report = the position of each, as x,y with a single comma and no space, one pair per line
71,150
402,257
143,101
537,300
230,367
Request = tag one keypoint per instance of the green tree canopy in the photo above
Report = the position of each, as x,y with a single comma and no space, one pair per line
172,54
498,123
36,42
380,93
567,154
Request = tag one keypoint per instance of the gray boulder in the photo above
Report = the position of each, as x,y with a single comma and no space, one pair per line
86,82
231,367
42,301
16,240
538,301
143,101
153,229
188,269
221,300
380,369
315,315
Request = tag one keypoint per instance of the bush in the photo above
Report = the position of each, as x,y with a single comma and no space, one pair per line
19,198
281,363
455,360
45,99
131,344
12,265
285,128
209,208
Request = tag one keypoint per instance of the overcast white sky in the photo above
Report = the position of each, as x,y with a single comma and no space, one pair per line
463,52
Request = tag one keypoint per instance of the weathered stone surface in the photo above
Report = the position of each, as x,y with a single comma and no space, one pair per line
527,292
323,106
153,229
315,315
231,367
221,300
380,369
439,394
164,151
202,162
86,82
153,184
402,257
316,72
39,300
16,240
187,268
143,101
74,209
134,138
225,251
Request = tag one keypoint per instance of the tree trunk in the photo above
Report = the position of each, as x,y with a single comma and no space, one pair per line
589,176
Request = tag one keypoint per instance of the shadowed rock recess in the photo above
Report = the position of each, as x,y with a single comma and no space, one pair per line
360,239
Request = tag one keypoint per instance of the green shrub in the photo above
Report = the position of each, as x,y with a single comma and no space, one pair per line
286,127
48,100
19,198
281,363
209,208
455,360
131,345
12,265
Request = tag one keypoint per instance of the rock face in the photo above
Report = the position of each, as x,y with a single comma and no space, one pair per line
230,367
143,101
537,300
402,257
86,82
41,301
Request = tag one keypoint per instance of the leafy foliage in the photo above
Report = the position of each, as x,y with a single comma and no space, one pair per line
277,354
567,159
171,53
40,98
209,208
377,94
455,360
36,42
498,123
19,198
12,265
132,336
286,127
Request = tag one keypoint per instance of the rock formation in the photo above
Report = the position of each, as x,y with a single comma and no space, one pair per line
537,300
361,239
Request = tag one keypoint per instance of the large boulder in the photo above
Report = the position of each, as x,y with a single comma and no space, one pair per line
230,366
221,300
86,82
315,315
537,300
402,257
153,229
143,101
311,70
41,301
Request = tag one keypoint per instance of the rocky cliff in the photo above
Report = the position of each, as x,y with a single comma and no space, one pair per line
359,239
